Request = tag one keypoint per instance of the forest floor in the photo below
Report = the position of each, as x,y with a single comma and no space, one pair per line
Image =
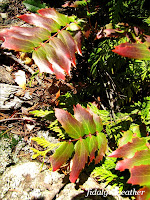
21,177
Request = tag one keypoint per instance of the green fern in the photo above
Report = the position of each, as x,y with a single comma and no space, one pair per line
105,173
55,127
45,144
41,113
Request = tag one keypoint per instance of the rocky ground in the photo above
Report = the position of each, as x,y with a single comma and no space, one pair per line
21,177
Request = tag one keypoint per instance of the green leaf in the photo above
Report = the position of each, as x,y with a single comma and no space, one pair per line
92,145
61,155
83,116
79,160
73,127
34,5
127,137
102,146
97,120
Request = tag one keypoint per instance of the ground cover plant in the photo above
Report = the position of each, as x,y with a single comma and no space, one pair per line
105,54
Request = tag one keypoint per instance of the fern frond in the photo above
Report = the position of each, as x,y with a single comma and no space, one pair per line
55,127
44,143
41,113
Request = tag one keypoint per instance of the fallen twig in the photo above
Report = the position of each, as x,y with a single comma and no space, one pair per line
11,119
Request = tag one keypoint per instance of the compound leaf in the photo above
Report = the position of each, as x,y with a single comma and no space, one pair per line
53,47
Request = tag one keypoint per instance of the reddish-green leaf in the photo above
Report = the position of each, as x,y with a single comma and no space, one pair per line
41,60
97,120
102,146
83,116
40,21
127,137
143,194
61,19
79,160
73,127
140,175
77,38
70,44
140,158
61,155
129,149
135,50
92,145
53,47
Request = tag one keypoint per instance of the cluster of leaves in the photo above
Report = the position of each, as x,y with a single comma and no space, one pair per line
54,40
84,136
136,153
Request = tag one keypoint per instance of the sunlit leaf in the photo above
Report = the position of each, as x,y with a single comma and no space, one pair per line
79,160
73,127
140,175
61,155
102,146
93,146
53,47
129,149
83,116
136,50
140,158
97,120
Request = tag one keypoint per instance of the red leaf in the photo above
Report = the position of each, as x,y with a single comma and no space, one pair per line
73,127
102,147
143,194
61,55
40,21
136,51
140,175
70,44
61,155
18,45
83,116
140,158
23,38
129,149
61,19
77,39
79,159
